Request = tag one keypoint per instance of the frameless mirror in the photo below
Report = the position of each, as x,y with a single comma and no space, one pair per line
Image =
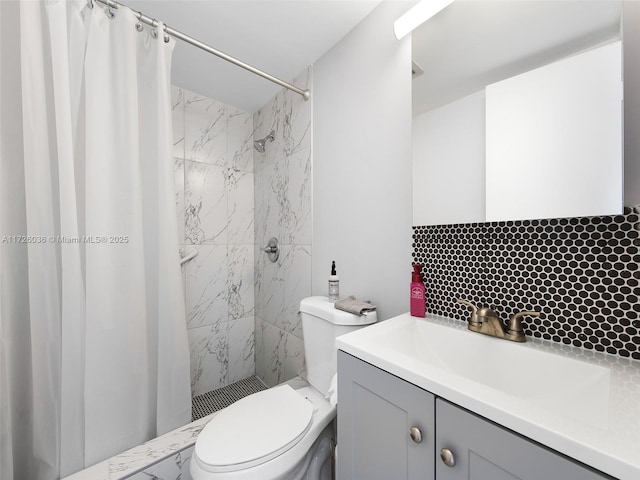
518,113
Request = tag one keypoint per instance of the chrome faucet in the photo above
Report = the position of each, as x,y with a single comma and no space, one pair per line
487,322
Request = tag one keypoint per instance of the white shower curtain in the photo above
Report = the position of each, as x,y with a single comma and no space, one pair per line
93,344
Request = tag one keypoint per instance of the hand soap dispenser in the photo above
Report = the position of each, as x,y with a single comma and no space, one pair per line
418,305
334,284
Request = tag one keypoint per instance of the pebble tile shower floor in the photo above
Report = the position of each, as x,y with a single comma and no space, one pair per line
215,400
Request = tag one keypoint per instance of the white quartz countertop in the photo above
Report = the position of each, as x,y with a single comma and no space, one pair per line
599,426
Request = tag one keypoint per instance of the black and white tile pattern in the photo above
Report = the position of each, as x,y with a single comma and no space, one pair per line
210,402
583,274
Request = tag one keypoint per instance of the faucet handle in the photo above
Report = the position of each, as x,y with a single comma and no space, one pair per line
474,311
514,329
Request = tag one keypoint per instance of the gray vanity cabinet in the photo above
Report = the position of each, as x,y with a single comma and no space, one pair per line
376,411
388,431
483,450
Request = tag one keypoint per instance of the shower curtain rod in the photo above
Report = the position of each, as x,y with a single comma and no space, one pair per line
203,46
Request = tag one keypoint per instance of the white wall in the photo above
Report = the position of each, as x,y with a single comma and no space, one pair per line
631,49
362,163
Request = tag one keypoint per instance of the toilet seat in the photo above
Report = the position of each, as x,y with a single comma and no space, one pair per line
254,430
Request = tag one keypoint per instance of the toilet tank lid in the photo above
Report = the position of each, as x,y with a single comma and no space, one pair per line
321,307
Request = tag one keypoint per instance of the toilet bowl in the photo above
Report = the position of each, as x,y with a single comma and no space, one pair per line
285,432
273,434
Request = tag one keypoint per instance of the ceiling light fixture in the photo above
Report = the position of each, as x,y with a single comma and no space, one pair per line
417,15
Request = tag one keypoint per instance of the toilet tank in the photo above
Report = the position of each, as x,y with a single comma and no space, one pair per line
321,324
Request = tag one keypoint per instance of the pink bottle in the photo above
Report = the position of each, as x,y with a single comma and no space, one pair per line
418,305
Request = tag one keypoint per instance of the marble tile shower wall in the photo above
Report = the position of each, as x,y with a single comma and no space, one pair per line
283,210
213,150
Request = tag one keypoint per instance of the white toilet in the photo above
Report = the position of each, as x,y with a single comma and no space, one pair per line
284,432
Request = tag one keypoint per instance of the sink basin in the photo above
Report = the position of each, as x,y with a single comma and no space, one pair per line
539,378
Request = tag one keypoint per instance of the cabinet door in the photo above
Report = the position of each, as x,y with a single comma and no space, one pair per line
376,411
485,451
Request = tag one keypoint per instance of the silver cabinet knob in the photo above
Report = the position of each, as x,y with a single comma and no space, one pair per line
447,457
416,434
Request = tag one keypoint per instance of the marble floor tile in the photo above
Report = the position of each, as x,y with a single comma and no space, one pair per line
240,297
241,349
267,205
209,346
293,361
240,206
296,116
240,140
177,117
205,132
297,285
271,354
178,175
258,331
207,287
205,204
296,221
266,120
175,467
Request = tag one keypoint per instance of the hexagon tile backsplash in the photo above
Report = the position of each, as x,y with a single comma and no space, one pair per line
583,274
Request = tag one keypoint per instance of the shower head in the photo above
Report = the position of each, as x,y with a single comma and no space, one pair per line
260,144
